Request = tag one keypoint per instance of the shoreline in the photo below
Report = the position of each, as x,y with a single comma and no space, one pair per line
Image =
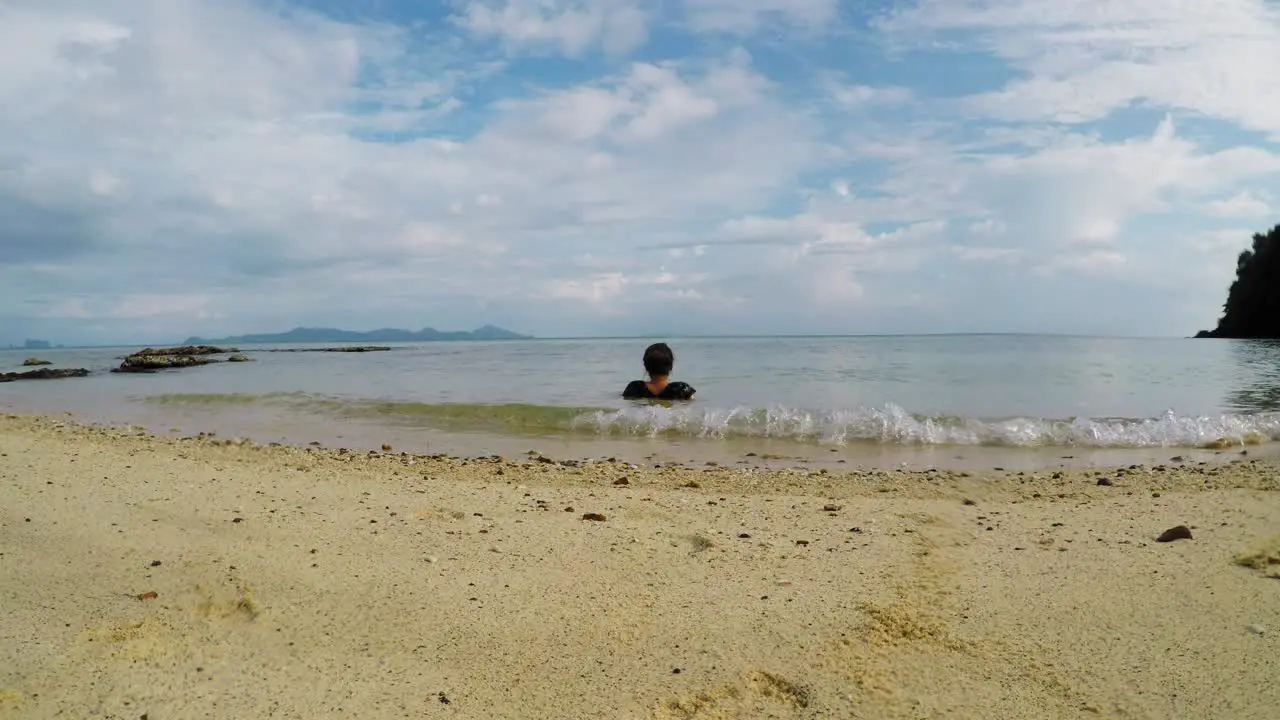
302,582
1181,470
267,425
365,402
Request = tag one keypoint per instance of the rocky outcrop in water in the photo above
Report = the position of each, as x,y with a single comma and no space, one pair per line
153,363
150,360
43,374
32,362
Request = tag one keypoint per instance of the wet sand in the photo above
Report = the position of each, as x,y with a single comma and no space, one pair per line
295,582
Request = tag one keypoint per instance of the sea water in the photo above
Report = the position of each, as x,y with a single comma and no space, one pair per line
893,398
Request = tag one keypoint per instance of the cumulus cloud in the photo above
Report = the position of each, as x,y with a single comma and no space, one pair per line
1243,204
176,167
1081,60
571,26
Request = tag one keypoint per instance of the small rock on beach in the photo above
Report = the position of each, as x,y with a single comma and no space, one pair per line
1178,532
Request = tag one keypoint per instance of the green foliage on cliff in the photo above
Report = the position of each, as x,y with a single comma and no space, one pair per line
1252,309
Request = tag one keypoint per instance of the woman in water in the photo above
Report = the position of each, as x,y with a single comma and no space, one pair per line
658,361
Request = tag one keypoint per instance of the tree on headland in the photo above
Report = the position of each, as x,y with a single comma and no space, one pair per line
1252,309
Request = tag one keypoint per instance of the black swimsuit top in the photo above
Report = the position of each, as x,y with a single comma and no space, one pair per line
673,391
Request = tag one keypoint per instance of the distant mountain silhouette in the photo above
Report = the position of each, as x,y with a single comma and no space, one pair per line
332,335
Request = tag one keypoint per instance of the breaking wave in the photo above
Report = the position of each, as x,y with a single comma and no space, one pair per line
888,424
893,424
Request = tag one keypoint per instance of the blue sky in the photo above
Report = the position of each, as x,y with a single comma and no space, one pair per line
560,167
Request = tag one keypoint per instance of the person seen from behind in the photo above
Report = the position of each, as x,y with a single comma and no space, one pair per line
658,362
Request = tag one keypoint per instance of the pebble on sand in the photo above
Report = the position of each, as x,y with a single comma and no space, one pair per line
1178,532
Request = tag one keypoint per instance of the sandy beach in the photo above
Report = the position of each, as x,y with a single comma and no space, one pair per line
156,578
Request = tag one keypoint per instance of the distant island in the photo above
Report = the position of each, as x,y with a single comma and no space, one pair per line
333,335
1252,310
30,344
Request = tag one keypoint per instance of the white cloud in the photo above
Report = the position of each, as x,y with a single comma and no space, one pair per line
571,26
71,307
988,254
1243,204
667,103
819,231
1090,262
1083,59
130,307
585,113
1223,243
147,305
1079,190
104,183
988,228
168,162
597,289
274,184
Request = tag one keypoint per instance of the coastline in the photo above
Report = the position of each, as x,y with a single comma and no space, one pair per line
265,424
305,582
946,405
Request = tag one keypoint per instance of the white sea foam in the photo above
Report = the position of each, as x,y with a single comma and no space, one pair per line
893,424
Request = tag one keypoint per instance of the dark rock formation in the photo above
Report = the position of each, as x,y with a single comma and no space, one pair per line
153,359
43,374
1252,309
151,363
239,358
32,362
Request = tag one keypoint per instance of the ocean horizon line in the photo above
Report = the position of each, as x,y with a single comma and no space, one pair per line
655,336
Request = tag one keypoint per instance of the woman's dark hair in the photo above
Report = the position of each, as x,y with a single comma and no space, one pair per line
658,360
